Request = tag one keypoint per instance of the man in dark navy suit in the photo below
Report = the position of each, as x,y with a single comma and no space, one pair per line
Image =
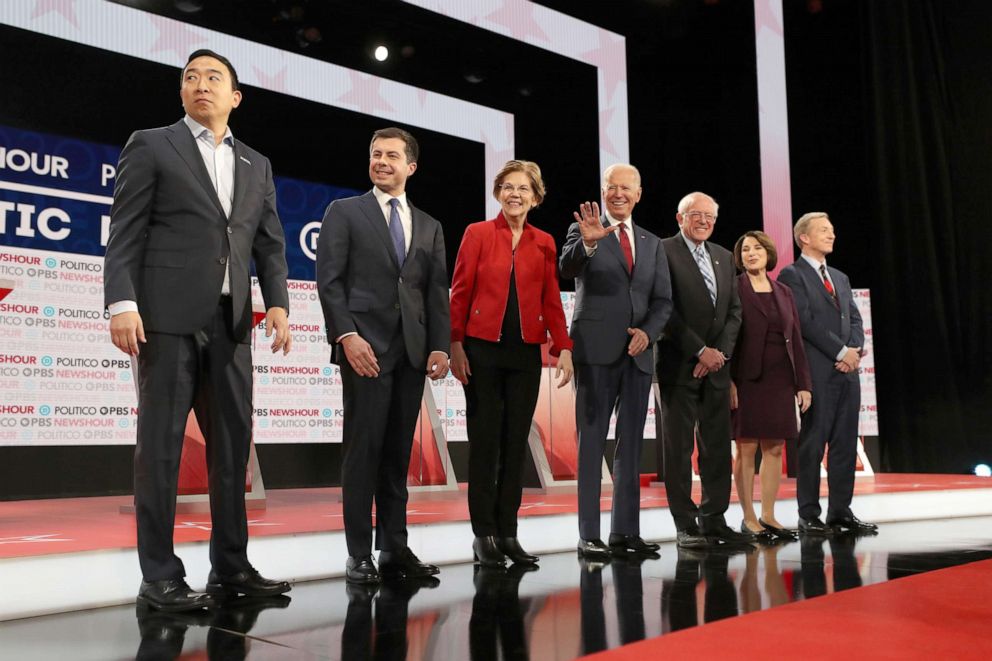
623,298
833,336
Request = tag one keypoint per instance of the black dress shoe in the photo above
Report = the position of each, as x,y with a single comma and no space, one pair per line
248,582
814,526
763,536
691,538
172,595
510,546
593,548
361,570
624,544
404,564
721,533
851,523
781,533
487,553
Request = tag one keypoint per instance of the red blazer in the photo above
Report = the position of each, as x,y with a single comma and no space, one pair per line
749,354
480,285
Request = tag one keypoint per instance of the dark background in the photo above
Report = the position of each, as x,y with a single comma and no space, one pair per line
889,108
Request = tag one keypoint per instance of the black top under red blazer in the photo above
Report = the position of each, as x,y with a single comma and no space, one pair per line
480,285
749,354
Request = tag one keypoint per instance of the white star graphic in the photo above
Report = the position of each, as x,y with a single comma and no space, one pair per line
29,539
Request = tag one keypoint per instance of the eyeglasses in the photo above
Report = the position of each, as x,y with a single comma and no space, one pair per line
510,189
696,216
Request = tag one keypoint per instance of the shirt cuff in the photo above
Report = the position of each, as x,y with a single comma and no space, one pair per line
843,352
341,337
590,251
122,306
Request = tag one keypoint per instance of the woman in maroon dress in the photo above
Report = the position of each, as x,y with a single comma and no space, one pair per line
770,377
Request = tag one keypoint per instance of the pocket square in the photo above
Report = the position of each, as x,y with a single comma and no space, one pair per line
245,160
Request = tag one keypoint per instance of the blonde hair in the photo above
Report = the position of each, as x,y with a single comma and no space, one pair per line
529,168
802,225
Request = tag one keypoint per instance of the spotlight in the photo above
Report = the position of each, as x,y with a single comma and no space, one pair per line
983,470
381,53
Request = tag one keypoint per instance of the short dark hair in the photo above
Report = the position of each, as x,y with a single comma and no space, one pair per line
412,148
206,52
766,243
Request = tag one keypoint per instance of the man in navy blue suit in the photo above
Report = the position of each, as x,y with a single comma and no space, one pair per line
623,299
834,337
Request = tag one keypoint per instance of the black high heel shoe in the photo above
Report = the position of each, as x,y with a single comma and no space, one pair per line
487,553
763,535
510,546
781,533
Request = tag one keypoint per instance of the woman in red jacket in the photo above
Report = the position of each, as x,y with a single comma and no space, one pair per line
770,378
504,302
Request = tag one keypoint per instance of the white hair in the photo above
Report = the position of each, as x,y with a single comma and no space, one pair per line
690,199
608,172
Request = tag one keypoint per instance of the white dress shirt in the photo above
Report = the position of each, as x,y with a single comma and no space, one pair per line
628,228
406,218
219,161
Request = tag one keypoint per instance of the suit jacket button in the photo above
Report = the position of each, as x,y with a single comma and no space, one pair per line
230,231
540,317
477,312
396,306
401,280
222,260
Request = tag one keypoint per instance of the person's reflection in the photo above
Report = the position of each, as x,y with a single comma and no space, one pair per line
774,587
678,596
845,570
163,634
630,597
593,618
496,629
231,623
389,640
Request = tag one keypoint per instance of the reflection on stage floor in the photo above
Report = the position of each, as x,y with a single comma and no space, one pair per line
564,609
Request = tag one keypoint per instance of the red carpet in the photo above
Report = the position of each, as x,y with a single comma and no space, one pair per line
943,614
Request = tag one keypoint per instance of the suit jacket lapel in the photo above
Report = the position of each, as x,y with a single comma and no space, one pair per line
818,282
690,266
613,245
242,174
749,295
370,207
640,248
184,143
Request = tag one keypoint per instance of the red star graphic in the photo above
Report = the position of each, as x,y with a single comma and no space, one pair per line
611,58
275,82
174,36
6,286
768,15
365,94
65,8
517,16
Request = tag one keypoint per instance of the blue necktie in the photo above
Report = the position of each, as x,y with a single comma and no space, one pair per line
706,268
396,231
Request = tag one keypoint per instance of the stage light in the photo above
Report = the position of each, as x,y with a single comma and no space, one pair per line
381,53
983,470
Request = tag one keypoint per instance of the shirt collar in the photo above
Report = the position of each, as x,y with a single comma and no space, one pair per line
197,129
383,197
689,243
813,261
614,221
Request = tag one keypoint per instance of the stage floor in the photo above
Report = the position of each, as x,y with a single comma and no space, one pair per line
569,608
72,554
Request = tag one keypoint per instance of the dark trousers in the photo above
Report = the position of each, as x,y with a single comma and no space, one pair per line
380,417
500,399
686,409
210,373
599,390
833,419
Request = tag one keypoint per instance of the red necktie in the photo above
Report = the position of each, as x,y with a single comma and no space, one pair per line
826,283
625,246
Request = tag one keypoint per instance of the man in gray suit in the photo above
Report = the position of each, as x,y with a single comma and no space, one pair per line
834,337
383,285
694,375
623,298
193,207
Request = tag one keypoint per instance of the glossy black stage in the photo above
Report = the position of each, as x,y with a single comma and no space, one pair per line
566,608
